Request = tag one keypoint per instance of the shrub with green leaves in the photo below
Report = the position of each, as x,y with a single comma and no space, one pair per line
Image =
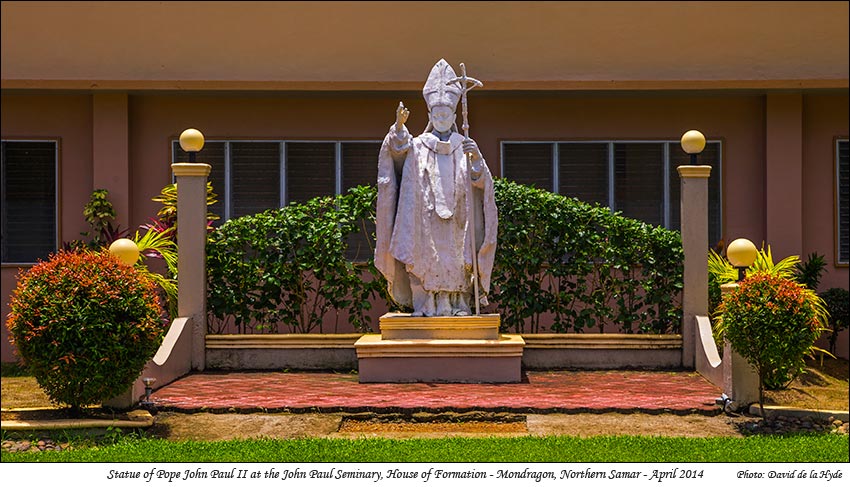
837,301
85,325
772,322
582,265
284,270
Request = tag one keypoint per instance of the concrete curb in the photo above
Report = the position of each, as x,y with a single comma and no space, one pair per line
136,419
772,411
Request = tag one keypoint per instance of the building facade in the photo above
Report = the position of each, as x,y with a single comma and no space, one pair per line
587,99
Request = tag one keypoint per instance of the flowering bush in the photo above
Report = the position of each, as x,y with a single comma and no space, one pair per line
85,325
772,322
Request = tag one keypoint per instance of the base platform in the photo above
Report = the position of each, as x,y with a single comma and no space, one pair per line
466,349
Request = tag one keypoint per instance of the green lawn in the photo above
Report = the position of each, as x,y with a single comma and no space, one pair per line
799,448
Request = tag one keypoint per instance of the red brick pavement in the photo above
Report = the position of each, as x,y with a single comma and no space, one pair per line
541,392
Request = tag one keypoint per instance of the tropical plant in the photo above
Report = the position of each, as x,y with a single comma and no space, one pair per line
85,325
159,244
837,302
721,271
167,215
764,263
809,272
773,323
100,215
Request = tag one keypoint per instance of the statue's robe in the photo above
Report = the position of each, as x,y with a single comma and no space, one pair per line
424,196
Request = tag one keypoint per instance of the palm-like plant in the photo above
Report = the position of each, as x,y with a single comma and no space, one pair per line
159,244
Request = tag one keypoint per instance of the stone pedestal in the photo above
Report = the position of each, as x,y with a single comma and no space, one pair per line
464,349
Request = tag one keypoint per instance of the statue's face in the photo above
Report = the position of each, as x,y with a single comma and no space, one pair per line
442,118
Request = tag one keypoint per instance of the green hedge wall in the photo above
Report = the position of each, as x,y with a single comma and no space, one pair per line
561,266
572,266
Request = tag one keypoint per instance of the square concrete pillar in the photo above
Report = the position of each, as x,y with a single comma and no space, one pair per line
191,252
694,204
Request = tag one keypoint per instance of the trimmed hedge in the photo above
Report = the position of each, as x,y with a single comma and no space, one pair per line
583,266
561,265
283,270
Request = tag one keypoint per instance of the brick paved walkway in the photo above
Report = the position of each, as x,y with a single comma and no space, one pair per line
541,392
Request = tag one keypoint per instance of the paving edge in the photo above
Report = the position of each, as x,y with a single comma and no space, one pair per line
799,413
436,410
138,419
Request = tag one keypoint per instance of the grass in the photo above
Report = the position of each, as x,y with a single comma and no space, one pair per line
610,449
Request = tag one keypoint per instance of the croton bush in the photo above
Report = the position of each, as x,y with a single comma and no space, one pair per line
85,325
772,322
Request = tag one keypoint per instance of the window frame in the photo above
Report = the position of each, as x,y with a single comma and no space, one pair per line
57,192
836,173
226,196
611,189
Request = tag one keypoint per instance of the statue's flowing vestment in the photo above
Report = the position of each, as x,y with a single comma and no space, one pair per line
426,200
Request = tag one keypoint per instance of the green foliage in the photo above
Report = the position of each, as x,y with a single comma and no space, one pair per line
772,322
99,210
809,272
100,215
155,243
577,263
85,325
14,369
286,269
167,215
583,265
764,264
837,302
722,272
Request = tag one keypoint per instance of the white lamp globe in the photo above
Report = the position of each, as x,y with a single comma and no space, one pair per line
126,250
192,140
693,142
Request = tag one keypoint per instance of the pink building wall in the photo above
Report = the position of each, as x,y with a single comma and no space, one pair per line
67,118
142,126
773,88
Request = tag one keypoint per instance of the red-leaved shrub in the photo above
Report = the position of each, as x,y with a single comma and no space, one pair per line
85,325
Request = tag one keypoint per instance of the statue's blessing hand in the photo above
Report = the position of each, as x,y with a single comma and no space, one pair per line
401,115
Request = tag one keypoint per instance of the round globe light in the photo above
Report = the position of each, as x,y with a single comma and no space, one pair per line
192,140
126,250
693,142
741,253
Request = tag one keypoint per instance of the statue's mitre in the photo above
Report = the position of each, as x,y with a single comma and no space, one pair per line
436,91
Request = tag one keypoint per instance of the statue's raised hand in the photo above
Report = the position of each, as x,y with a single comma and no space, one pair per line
401,114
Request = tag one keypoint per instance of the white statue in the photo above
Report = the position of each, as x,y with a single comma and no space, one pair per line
436,212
